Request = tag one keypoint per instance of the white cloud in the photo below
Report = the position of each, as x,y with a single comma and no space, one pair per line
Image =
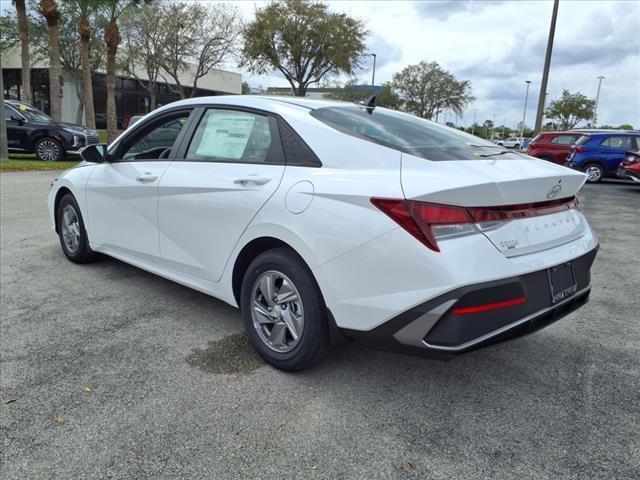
497,45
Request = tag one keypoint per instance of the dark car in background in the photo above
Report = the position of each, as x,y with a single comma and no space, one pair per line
598,154
31,131
553,146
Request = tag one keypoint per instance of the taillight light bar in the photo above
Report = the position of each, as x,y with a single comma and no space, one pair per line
429,221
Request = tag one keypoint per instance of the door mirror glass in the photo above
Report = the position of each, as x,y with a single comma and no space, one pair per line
94,153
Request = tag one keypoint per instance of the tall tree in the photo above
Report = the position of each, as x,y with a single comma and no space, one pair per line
84,30
23,27
426,89
49,10
570,109
304,41
197,39
145,37
113,9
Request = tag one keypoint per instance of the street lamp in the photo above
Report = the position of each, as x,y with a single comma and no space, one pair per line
473,127
524,114
595,109
503,123
373,74
493,126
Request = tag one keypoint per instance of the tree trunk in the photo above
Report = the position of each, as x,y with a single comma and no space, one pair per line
23,26
80,96
87,87
112,39
152,100
4,147
49,10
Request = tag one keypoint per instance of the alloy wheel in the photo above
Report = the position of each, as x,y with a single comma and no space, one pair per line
277,312
70,229
48,150
594,173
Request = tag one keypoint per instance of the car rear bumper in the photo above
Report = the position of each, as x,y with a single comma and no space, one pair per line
437,328
622,173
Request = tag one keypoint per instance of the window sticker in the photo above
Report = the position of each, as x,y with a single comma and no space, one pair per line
226,135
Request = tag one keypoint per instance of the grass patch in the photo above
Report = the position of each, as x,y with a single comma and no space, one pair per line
29,162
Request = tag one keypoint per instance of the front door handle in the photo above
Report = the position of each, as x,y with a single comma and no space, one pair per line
147,177
252,180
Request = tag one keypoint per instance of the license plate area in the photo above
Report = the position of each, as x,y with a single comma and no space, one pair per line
562,281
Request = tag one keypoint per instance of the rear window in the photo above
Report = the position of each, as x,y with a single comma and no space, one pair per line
583,139
409,134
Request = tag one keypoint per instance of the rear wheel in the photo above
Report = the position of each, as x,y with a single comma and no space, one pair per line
516,146
73,236
49,150
284,312
594,171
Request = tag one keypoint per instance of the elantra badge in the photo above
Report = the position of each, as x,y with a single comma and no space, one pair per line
554,192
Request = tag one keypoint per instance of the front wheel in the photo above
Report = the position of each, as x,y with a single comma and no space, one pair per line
284,312
73,236
595,172
49,150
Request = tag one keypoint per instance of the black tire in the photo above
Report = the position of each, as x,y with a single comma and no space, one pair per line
595,172
49,150
516,147
313,342
81,253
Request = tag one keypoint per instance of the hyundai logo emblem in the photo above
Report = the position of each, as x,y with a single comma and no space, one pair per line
555,190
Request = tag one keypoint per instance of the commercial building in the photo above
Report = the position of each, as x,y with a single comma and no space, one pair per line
131,97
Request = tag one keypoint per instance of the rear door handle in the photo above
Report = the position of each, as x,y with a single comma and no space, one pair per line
252,180
147,177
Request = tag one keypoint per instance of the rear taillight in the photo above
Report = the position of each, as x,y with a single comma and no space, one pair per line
429,222
578,149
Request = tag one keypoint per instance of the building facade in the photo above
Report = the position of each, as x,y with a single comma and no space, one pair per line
132,98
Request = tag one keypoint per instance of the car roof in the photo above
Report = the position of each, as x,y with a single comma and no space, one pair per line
601,133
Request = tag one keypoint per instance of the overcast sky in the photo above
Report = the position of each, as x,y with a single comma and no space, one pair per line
497,45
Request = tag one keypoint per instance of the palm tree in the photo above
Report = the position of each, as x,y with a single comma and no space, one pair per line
114,9
49,10
23,26
84,30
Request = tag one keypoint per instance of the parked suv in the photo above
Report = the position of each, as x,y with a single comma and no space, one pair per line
31,131
553,146
599,154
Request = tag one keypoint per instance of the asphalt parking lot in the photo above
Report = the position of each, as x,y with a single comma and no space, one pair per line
111,372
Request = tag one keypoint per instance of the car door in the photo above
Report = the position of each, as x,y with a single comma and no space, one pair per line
122,194
614,149
561,145
17,131
227,170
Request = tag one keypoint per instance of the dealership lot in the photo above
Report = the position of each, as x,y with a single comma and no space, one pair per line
108,371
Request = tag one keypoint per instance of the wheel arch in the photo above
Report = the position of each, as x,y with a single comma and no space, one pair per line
62,191
249,252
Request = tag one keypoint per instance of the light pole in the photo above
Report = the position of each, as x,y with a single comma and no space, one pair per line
473,127
503,123
493,126
373,74
524,114
595,109
547,65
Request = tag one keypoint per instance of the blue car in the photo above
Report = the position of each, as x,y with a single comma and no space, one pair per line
598,153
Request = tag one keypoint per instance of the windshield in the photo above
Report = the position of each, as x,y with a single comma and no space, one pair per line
31,113
409,134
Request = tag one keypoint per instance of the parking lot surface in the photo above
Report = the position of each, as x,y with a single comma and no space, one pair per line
110,372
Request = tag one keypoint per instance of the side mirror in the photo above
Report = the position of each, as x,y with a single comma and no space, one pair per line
17,118
94,153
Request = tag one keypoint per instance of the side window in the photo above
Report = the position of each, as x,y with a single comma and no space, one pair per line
619,142
156,142
564,139
232,136
8,112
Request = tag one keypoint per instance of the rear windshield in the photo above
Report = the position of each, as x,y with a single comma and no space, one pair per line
583,139
409,134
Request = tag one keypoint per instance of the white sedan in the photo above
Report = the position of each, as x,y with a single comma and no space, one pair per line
322,220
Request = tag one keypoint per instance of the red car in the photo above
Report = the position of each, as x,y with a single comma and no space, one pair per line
553,146
630,167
